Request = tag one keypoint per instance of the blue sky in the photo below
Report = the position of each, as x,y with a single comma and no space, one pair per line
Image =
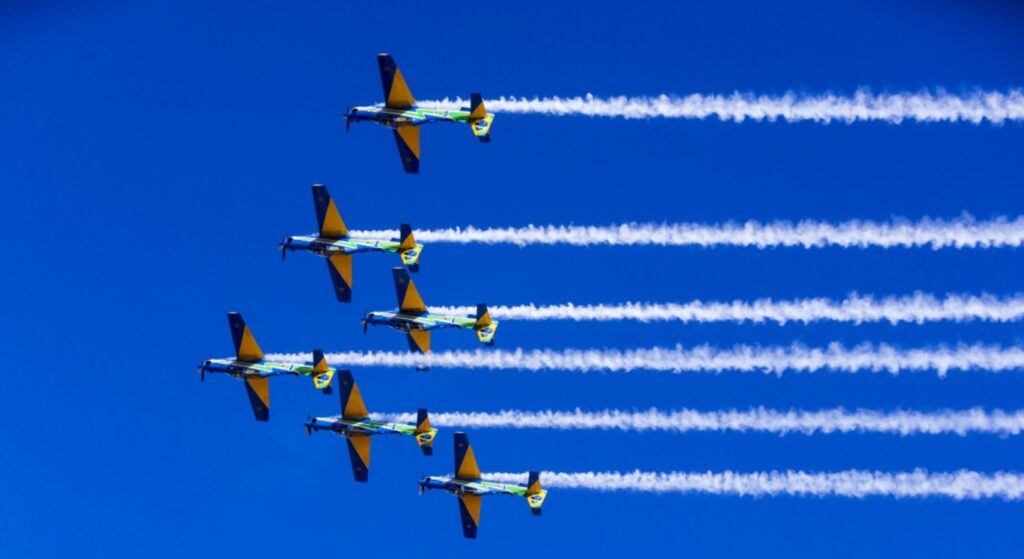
153,156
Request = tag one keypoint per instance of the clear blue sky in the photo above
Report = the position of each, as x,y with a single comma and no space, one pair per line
153,154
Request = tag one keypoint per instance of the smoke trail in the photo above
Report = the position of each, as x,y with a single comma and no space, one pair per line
963,232
996,107
904,423
959,485
917,308
704,358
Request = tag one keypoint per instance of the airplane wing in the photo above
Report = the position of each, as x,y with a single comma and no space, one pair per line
469,511
465,460
340,268
419,341
352,406
327,216
408,139
396,92
359,455
246,348
409,300
258,390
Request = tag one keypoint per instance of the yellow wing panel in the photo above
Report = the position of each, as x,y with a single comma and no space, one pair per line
411,137
333,226
468,468
248,349
400,97
354,407
469,511
419,340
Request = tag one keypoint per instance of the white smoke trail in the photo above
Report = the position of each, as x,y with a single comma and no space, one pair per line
904,423
963,232
704,358
917,308
996,107
959,485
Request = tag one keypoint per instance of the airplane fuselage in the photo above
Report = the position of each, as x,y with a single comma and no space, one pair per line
326,246
349,427
471,487
405,322
413,116
239,369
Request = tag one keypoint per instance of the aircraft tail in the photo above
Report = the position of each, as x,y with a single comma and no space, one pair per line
484,326
424,433
408,249
535,495
479,119
322,374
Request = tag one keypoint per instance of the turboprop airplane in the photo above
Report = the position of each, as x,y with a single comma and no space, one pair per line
467,485
250,366
401,113
355,425
413,318
333,242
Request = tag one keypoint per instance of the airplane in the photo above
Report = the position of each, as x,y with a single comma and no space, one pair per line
333,242
250,366
401,114
468,486
413,318
355,425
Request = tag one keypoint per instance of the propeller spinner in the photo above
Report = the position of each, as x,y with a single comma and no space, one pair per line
284,247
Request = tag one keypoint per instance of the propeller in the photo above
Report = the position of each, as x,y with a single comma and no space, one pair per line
202,372
283,247
348,119
422,476
365,323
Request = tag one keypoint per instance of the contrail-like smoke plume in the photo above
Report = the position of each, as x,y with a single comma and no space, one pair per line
703,359
996,107
959,485
917,308
962,233
780,422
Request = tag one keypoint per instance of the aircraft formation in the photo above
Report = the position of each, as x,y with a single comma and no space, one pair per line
333,242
